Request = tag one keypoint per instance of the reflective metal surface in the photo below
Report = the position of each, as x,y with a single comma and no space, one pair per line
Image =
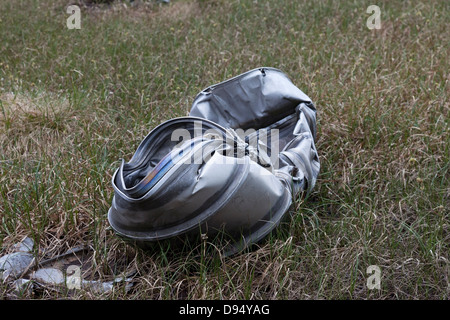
230,169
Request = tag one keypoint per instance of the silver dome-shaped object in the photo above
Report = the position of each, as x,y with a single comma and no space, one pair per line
230,169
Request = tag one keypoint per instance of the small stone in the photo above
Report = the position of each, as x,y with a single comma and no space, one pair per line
22,286
26,245
14,264
49,276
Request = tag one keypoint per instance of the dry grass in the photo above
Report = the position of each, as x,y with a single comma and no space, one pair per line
32,127
72,102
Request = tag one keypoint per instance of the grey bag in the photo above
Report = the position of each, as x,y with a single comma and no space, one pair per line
229,170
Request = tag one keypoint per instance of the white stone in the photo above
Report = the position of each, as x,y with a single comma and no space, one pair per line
22,286
49,276
14,264
26,245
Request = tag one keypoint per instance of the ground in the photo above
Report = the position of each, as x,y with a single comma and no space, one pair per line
73,102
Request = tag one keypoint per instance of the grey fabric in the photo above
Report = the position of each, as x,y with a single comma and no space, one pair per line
265,98
231,168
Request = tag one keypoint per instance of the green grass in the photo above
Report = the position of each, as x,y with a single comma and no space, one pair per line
73,102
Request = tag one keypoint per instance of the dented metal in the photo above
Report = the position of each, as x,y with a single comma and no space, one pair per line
230,169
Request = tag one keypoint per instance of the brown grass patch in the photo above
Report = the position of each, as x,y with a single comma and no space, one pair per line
31,126
173,12
180,10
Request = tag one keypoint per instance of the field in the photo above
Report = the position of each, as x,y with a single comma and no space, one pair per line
73,102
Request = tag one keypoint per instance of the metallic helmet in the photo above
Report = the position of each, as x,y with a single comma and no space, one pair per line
229,169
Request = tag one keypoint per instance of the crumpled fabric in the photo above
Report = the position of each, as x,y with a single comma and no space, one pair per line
264,99
237,182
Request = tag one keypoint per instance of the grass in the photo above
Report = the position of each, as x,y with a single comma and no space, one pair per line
73,102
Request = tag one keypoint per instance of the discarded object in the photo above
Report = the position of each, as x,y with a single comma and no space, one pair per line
229,170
